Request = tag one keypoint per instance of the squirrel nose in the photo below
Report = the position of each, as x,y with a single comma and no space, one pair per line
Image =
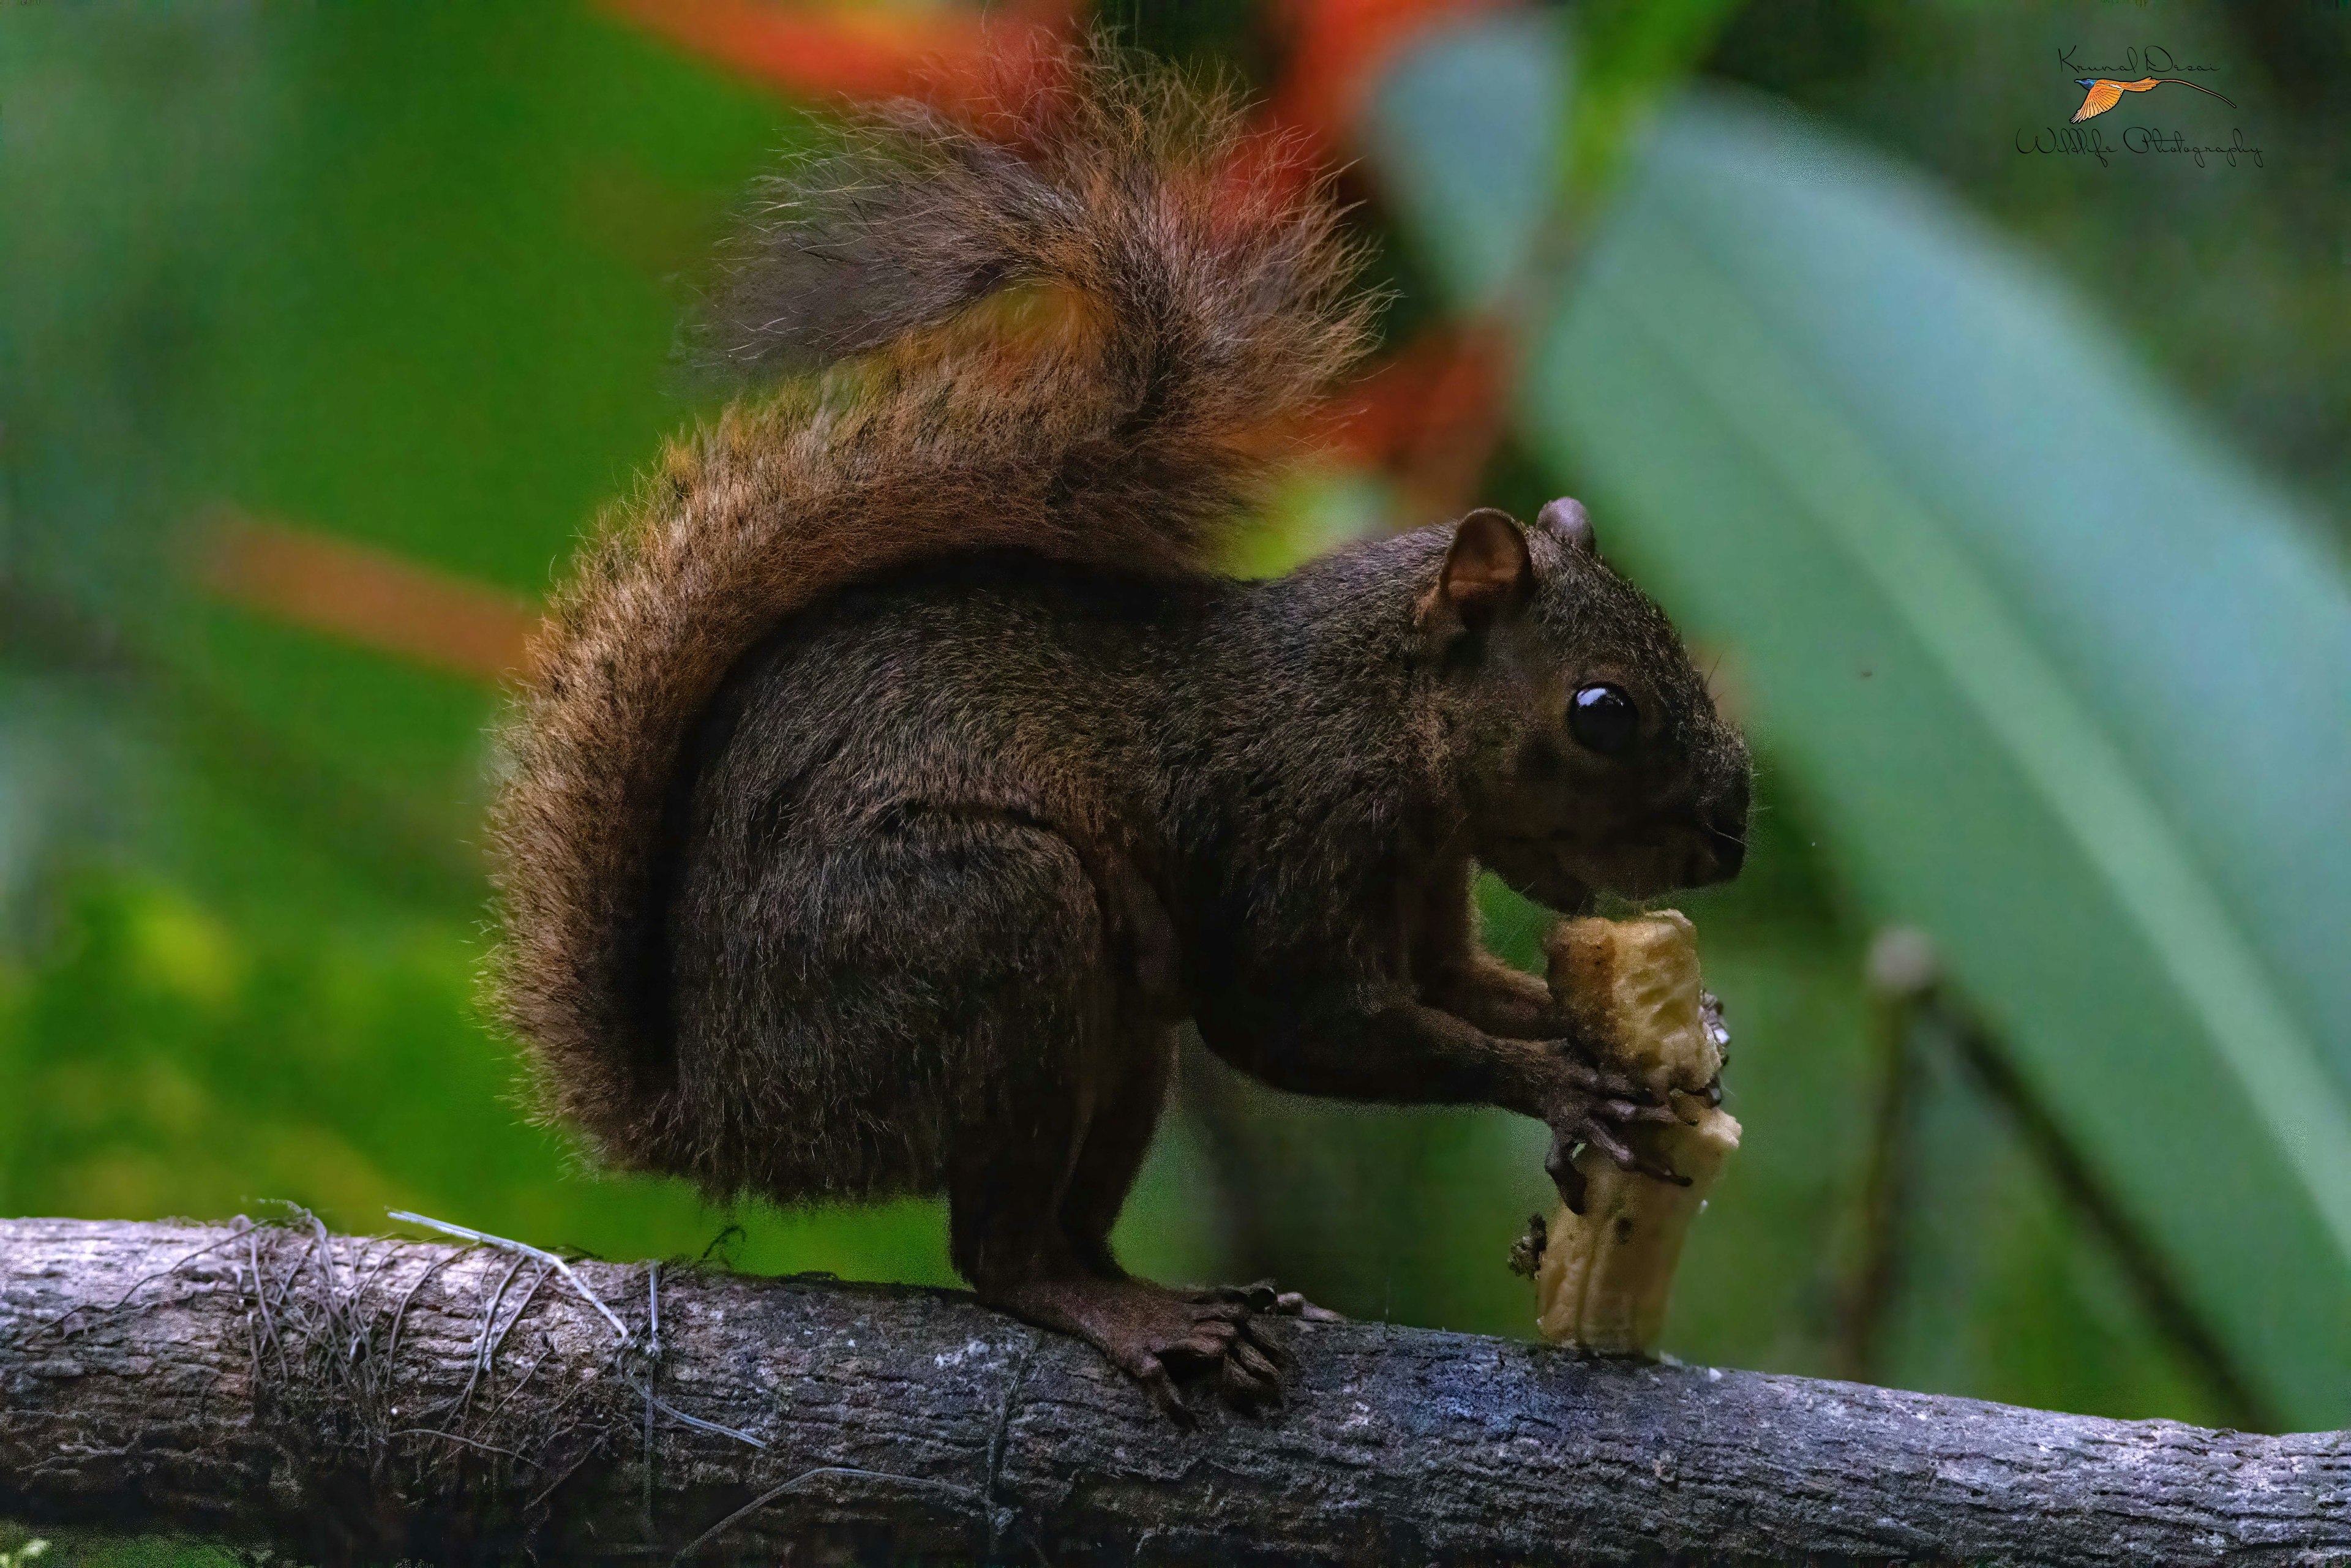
1729,852
1723,826
1710,859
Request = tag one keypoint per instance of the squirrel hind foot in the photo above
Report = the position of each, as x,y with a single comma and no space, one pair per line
1165,1339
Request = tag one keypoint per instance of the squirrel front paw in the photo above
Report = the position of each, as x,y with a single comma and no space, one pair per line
1592,1106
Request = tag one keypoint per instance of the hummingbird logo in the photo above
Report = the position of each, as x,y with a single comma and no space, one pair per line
2104,92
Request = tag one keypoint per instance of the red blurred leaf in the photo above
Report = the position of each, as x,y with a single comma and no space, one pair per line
367,596
819,51
1338,49
1429,414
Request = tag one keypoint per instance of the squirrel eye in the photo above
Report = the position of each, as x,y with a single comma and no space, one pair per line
1602,719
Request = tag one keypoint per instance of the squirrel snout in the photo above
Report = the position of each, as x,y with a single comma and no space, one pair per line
1728,853
1712,856
1722,832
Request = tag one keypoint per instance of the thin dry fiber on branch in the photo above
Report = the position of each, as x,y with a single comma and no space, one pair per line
346,1399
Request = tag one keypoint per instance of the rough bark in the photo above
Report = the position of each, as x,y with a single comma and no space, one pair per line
345,1399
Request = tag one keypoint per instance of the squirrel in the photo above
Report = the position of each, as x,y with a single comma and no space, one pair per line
898,772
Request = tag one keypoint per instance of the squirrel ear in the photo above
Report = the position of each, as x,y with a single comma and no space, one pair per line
1487,572
1568,520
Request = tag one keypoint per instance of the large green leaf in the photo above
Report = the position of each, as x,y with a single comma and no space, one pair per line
2070,686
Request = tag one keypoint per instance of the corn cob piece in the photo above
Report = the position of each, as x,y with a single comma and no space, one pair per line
1602,1278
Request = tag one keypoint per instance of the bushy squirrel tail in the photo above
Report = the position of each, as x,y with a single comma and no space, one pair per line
1080,331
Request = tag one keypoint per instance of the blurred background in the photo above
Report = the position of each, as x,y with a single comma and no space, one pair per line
1997,466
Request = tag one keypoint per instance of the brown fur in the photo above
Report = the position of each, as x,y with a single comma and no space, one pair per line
898,777
1127,430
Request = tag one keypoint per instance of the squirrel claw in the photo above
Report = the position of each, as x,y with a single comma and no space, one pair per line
1251,1379
1150,1374
1595,1124
1578,1071
1560,1166
1657,1170
1627,1158
1258,1296
1263,1298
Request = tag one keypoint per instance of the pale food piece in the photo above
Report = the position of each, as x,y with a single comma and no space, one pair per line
1630,988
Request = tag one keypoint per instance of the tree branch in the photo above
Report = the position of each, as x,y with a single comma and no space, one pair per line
344,1399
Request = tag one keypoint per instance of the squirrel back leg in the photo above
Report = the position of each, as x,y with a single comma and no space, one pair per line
1040,1161
1117,1137
1124,1115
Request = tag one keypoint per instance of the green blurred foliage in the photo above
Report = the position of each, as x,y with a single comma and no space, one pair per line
164,1061
50,1548
2066,679
413,276
2234,285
